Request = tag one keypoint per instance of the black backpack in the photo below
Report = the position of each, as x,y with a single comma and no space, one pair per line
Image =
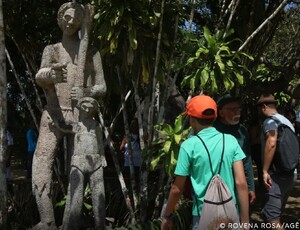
287,149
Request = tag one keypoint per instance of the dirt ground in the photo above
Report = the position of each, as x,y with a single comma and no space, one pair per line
291,213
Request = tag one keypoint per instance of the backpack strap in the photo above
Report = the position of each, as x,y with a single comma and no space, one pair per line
210,162
211,168
222,153
279,123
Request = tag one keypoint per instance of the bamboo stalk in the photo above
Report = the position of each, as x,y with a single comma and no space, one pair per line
114,155
3,123
128,141
233,10
249,39
39,101
22,89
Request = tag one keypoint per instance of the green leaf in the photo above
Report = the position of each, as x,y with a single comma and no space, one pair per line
178,123
87,206
248,56
167,146
173,160
208,37
155,162
166,129
177,138
204,76
190,60
225,48
192,83
132,38
62,202
220,64
229,63
97,15
214,85
228,84
186,79
200,51
239,77
229,32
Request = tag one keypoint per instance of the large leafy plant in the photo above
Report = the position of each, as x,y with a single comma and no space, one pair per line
215,67
166,148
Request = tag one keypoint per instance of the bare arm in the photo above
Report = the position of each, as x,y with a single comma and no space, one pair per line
270,147
269,151
174,196
242,190
122,146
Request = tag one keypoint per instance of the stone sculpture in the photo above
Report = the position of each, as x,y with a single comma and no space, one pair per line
87,165
69,71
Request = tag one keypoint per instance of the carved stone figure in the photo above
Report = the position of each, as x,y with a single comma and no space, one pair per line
68,72
87,165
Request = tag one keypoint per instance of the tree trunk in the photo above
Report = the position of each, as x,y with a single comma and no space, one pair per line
3,121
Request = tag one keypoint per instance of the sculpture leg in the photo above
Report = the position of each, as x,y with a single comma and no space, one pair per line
98,197
42,174
72,215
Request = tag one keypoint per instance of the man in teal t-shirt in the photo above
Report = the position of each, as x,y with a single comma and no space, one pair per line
193,161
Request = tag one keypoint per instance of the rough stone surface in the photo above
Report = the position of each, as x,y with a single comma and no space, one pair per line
87,165
64,87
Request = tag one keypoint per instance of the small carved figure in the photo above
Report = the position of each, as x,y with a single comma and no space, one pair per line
87,165
63,85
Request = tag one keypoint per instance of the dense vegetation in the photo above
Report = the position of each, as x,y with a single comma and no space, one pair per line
159,53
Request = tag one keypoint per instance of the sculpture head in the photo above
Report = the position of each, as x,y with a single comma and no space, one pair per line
88,106
69,17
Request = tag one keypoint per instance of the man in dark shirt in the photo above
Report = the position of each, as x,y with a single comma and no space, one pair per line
228,121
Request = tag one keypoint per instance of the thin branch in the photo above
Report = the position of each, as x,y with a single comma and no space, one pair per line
114,121
155,87
39,101
128,141
234,7
114,155
22,89
249,39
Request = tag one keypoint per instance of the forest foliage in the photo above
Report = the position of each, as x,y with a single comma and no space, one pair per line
160,53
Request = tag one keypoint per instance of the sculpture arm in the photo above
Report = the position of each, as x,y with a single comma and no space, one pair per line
50,72
98,88
99,134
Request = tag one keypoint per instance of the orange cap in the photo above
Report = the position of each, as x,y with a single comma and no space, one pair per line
197,105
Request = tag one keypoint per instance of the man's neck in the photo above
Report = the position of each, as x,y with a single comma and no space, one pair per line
271,112
201,127
223,121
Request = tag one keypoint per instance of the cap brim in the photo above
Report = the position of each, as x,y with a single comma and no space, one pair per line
184,113
266,102
228,100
